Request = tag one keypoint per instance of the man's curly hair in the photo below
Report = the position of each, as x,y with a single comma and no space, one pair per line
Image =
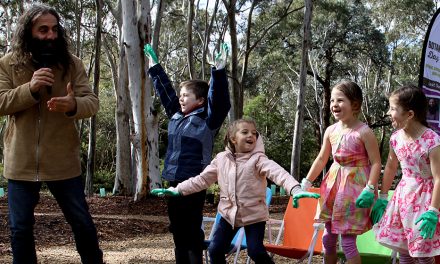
22,38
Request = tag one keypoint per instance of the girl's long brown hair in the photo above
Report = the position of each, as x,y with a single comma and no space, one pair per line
411,97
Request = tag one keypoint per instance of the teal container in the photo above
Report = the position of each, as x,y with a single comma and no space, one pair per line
102,192
273,188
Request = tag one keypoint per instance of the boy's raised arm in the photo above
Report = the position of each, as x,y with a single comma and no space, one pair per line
162,84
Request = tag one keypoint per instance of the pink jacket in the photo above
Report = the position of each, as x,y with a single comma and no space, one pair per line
242,181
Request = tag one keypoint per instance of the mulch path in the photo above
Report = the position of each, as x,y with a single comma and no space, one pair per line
115,217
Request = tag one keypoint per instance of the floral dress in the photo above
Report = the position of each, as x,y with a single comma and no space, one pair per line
412,197
344,182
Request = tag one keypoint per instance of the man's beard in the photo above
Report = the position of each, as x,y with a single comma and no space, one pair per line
46,53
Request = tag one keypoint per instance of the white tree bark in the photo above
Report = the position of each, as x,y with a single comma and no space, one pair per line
151,115
136,86
124,173
138,164
123,115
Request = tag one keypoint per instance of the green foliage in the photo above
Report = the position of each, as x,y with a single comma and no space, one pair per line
214,189
3,181
103,179
213,192
376,43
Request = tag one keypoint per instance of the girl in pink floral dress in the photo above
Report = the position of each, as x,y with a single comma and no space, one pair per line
409,224
347,190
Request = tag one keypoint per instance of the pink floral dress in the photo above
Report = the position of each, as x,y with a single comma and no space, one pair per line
412,197
344,182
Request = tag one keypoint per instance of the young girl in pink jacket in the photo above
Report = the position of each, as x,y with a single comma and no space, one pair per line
241,171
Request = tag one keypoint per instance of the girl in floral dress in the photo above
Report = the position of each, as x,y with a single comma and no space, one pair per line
409,224
353,174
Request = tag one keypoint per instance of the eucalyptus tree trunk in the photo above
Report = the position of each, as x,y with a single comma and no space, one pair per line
237,90
136,75
124,169
157,26
153,117
137,165
8,22
236,81
151,114
135,33
78,16
189,39
299,117
207,35
92,134
123,180
124,177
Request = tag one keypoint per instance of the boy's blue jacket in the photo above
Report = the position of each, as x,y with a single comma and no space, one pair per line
191,137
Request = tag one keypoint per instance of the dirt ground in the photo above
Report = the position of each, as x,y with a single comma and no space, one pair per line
129,232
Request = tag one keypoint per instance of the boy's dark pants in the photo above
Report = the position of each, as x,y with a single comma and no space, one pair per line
223,235
186,216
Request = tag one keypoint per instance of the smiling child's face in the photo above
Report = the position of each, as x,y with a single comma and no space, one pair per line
245,138
188,101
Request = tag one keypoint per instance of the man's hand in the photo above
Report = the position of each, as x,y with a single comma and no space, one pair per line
63,104
41,78
165,192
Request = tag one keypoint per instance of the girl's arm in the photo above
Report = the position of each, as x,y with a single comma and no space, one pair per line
434,157
274,172
200,182
370,143
390,171
322,158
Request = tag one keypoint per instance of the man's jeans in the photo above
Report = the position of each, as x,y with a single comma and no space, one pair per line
23,196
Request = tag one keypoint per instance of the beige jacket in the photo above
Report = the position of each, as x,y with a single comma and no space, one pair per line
242,181
40,145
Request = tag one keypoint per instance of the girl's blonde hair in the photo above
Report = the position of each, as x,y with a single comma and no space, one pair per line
233,128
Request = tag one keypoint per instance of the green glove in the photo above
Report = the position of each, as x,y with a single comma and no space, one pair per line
303,194
365,199
222,57
378,210
149,52
163,192
429,223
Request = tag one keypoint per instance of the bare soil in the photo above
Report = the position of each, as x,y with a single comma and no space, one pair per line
129,232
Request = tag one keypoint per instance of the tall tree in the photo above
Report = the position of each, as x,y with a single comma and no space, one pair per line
234,83
343,33
299,118
92,133
135,32
189,39
252,40
124,177
136,82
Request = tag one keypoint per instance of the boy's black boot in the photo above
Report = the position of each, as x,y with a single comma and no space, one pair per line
181,256
263,258
195,257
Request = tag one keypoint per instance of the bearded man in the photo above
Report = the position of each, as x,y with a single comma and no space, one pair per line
43,90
